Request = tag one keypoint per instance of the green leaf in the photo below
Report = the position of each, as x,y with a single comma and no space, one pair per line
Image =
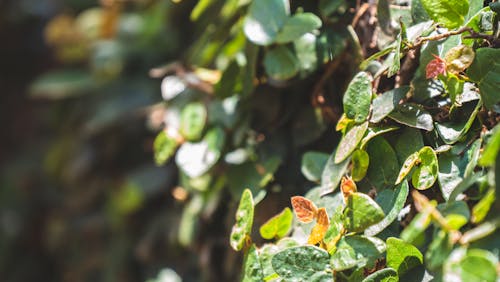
407,166
418,225
189,220
280,63
408,142
328,7
264,20
193,119
228,81
412,115
453,132
278,226
164,147
402,256
485,71
296,26
384,104
384,166
439,250
449,13
313,164
332,174
383,275
244,221
252,268
373,132
426,173
356,251
391,202
357,97
350,141
451,171
470,265
360,212
360,162
481,209
492,147
195,159
305,263
62,84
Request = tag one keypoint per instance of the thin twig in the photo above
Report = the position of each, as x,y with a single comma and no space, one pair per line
473,34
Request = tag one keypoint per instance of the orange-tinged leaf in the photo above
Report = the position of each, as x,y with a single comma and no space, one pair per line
347,186
304,209
319,230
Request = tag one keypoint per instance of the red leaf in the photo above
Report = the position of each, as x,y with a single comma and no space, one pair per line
435,68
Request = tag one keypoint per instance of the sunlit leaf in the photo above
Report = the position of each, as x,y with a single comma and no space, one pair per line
356,251
296,26
402,256
319,230
350,141
244,221
449,13
357,97
360,212
265,19
304,208
277,226
426,172
360,161
305,263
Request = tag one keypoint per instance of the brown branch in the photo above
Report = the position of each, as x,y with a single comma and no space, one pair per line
472,34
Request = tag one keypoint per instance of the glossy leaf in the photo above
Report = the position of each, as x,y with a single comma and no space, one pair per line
451,171
384,166
449,13
408,142
305,263
252,270
360,162
385,103
244,221
332,174
356,251
426,173
313,164
265,19
280,63
412,115
304,208
296,26
360,212
277,226
392,207
373,132
350,141
357,97
402,256
407,166
485,71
